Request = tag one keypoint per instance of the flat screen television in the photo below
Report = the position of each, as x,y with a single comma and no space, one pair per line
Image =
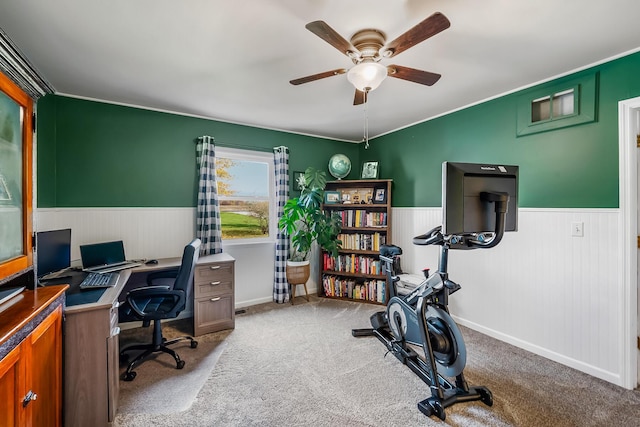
53,251
464,211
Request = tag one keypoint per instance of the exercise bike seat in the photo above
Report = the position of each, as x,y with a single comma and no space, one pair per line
390,251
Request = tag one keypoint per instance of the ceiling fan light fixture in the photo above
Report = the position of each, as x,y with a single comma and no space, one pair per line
367,75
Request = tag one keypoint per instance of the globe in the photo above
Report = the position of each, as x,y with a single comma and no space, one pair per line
339,166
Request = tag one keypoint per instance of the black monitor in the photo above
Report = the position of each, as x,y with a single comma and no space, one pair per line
53,249
464,210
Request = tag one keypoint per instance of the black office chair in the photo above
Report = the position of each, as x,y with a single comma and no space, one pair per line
156,302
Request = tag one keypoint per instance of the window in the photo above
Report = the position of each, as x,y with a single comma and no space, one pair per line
245,192
566,103
553,107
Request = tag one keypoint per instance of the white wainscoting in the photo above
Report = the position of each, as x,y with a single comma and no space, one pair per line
540,289
161,233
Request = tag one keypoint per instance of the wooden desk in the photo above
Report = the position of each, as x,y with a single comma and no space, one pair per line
91,349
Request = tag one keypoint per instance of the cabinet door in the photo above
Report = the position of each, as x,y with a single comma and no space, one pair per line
46,368
10,390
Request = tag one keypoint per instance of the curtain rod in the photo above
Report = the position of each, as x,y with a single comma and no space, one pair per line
239,146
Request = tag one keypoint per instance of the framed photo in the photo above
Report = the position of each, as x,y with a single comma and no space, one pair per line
369,170
380,196
298,178
331,197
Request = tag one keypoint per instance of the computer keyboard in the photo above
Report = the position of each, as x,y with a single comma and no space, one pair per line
99,280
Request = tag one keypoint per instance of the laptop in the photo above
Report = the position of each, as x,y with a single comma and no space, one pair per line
105,257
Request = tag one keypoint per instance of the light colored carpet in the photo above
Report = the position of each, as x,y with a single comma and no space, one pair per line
159,388
300,366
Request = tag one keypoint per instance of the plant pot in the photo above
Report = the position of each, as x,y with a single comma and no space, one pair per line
298,272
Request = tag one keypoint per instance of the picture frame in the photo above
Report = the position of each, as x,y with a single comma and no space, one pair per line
369,170
297,176
380,196
331,197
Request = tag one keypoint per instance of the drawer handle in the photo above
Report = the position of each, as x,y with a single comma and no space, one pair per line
28,398
215,299
215,283
214,267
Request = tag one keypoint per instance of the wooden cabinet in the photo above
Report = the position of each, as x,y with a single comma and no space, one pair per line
365,209
31,359
214,301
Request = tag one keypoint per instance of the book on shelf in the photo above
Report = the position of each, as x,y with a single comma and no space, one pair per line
362,241
352,263
362,218
343,287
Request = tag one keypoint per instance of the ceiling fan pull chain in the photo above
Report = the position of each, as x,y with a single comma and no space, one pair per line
366,121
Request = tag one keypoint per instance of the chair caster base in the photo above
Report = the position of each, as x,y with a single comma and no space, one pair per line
129,376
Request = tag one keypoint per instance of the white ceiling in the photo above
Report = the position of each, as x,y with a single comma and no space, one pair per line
232,60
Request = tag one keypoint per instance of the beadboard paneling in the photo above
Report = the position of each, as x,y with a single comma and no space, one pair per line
540,289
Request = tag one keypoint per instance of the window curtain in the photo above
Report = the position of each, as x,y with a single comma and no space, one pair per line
280,284
208,228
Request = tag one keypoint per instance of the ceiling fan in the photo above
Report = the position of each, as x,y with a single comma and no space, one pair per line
367,47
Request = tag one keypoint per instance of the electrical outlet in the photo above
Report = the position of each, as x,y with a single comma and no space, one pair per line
577,229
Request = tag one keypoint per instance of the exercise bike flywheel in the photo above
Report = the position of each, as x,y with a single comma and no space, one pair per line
447,344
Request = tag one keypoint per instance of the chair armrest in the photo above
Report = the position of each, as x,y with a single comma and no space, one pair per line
176,298
164,274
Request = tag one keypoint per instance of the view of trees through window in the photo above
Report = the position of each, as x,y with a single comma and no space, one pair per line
243,193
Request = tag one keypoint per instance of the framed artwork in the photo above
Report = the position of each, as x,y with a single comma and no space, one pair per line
331,197
380,196
298,178
369,170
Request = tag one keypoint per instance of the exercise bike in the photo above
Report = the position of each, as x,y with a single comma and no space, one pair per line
421,317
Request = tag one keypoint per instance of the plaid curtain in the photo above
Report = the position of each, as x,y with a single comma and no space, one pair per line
208,228
280,284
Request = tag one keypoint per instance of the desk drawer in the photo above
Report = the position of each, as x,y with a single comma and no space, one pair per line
214,314
214,272
213,288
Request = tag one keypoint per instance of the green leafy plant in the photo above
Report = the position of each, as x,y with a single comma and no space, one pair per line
305,222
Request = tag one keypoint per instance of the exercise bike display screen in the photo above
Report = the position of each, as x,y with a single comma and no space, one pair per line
464,210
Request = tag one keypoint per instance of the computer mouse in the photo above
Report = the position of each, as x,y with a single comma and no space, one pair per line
151,261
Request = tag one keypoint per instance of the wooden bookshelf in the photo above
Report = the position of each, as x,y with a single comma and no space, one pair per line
365,208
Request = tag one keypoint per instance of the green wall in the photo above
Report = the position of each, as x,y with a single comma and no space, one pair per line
92,154
573,167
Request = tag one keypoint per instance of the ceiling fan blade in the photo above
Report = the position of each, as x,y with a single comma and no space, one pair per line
328,34
425,29
413,75
360,97
318,76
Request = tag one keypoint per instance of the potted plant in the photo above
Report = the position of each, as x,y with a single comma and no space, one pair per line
304,221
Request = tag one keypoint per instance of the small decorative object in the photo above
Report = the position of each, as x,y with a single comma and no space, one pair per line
369,170
380,196
331,197
339,166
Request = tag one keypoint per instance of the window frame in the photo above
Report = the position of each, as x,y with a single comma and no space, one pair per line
22,262
254,156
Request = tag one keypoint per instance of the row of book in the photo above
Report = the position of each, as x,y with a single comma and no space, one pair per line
363,242
362,218
352,264
369,290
